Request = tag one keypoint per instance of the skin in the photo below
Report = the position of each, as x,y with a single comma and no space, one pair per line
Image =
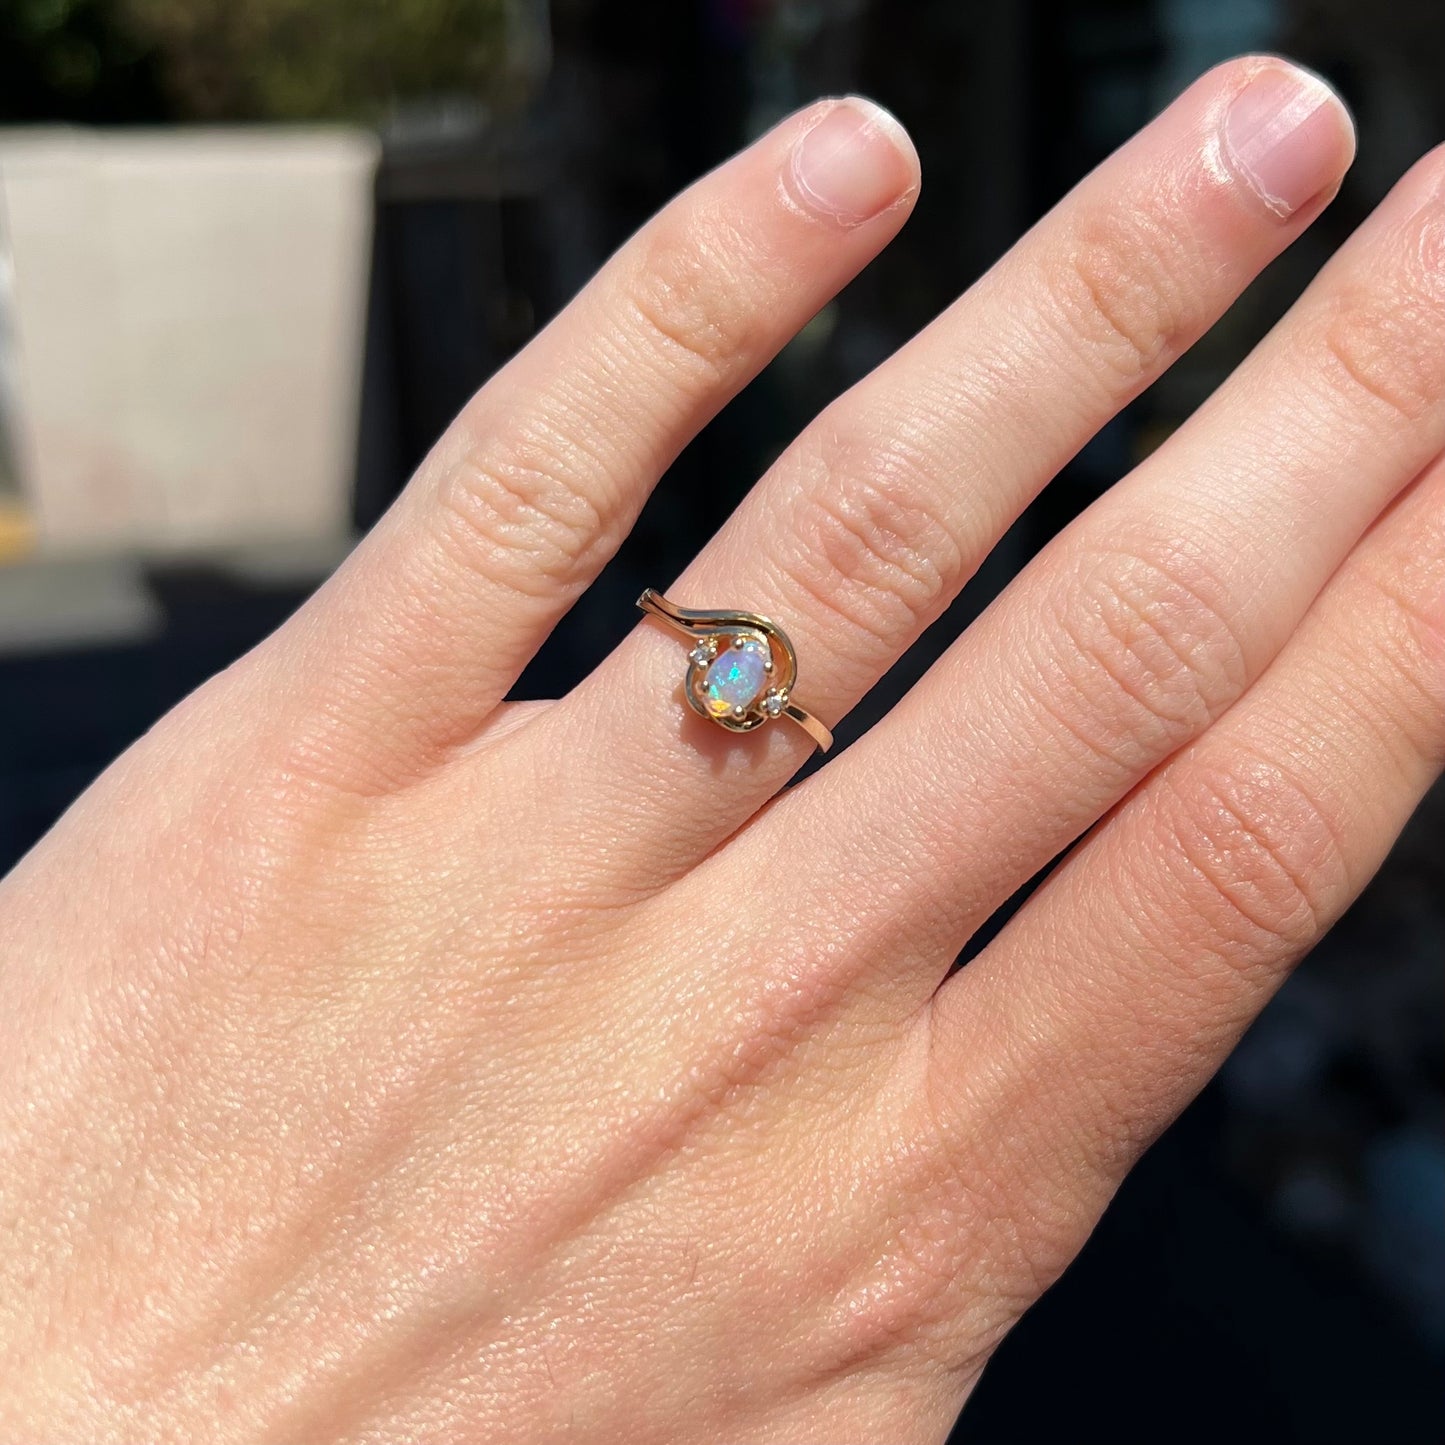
382,1061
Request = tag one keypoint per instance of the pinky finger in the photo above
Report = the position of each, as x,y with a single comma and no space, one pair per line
1121,986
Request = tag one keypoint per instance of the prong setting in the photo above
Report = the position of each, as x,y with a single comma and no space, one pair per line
741,668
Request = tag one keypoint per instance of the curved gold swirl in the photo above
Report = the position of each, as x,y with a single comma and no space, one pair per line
716,631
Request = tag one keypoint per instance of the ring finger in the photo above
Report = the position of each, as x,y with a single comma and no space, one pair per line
402,657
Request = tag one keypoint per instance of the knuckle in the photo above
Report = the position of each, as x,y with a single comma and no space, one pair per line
1384,340
1149,657
516,510
1120,286
968,1175
1263,860
690,296
862,546
949,1268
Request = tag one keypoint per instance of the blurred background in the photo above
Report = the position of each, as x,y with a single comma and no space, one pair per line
255,253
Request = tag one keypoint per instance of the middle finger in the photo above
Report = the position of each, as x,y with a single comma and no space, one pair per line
1146,619
862,533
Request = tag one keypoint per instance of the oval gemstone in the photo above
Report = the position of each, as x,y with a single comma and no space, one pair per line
736,678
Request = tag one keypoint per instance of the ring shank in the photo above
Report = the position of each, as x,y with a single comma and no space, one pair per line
810,725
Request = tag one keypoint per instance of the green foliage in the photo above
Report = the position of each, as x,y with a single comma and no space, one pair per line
319,59
73,60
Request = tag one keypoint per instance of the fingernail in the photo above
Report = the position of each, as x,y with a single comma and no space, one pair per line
853,163
1287,137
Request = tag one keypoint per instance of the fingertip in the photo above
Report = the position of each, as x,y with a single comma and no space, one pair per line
852,163
1285,135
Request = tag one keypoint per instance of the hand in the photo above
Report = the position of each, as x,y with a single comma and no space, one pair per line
381,1061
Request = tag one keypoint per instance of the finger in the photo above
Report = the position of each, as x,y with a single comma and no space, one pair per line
531,490
1142,622
869,525
1112,996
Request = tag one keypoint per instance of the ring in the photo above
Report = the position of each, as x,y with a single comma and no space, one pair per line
741,672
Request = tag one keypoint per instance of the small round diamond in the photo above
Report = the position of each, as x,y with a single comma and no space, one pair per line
774,703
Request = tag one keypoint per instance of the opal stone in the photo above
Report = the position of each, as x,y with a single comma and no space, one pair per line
735,679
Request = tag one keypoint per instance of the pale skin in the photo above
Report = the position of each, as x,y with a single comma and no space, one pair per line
381,1061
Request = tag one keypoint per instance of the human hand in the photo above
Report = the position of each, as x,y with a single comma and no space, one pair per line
383,1061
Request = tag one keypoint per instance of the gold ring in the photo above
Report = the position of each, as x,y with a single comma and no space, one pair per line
741,671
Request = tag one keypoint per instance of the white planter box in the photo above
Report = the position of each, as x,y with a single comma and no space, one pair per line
187,313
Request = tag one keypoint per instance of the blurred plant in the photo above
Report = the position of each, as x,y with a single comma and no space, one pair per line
74,60
319,59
